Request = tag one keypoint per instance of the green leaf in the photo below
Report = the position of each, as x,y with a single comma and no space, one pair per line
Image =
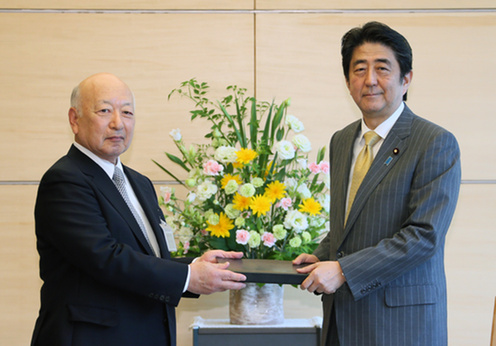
239,117
280,134
169,173
231,122
177,161
321,154
278,117
253,123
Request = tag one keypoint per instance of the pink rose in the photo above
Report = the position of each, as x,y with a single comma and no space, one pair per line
242,236
314,168
285,203
324,167
268,239
186,247
167,196
212,167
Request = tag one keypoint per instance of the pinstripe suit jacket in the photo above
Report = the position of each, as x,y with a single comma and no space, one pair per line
392,248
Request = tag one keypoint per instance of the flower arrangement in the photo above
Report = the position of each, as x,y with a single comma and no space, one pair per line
252,188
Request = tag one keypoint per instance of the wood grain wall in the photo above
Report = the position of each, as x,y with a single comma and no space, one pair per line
276,49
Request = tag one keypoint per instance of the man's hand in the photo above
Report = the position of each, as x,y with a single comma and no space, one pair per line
305,258
211,256
324,277
207,277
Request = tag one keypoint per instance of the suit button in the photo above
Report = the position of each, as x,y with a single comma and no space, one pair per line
162,298
340,254
167,299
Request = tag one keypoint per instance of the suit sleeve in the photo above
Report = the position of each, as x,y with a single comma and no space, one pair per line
423,216
77,227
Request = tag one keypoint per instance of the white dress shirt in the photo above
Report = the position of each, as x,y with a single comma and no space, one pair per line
382,130
109,168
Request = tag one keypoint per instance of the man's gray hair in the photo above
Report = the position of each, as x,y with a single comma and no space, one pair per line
75,102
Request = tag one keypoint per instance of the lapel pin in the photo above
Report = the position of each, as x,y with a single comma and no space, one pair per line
396,151
388,161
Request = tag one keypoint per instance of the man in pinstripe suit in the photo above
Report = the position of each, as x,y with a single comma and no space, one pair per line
381,269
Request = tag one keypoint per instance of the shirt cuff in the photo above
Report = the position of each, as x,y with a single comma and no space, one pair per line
186,284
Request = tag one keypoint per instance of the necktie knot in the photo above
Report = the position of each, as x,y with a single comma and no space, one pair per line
118,176
371,138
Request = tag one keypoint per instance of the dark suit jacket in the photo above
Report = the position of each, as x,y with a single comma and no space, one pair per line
102,284
392,248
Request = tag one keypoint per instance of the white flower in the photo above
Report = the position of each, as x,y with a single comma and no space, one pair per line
206,190
176,135
302,163
306,237
254,240
304,191
290,182
231,187
302,143
247,190
225,154
231,212
325,201
285,150
279,232
185,234
295,242
296,220
213,219
257,182
240,221
294,123
191,197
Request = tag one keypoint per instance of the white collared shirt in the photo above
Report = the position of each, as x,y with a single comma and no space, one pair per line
109,168
382,130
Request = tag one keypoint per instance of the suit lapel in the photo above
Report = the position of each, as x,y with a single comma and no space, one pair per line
147,201
389,154
105,185
341,163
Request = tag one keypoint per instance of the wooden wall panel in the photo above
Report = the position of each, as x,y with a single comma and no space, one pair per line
470,262
129,4
371,5
298,56
20,283
45,55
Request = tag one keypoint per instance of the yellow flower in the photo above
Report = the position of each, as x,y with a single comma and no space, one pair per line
222,228
310,206
237,165
268,168
275,190
246,155
228,177
260,205
240,202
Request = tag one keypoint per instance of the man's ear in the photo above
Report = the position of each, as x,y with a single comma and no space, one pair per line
407,80
74,120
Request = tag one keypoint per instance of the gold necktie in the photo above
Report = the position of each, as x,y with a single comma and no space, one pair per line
362,165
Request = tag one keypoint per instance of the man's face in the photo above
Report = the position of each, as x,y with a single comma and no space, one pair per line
104,120
374,82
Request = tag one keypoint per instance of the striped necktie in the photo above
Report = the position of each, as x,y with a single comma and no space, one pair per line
362,165
120,183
